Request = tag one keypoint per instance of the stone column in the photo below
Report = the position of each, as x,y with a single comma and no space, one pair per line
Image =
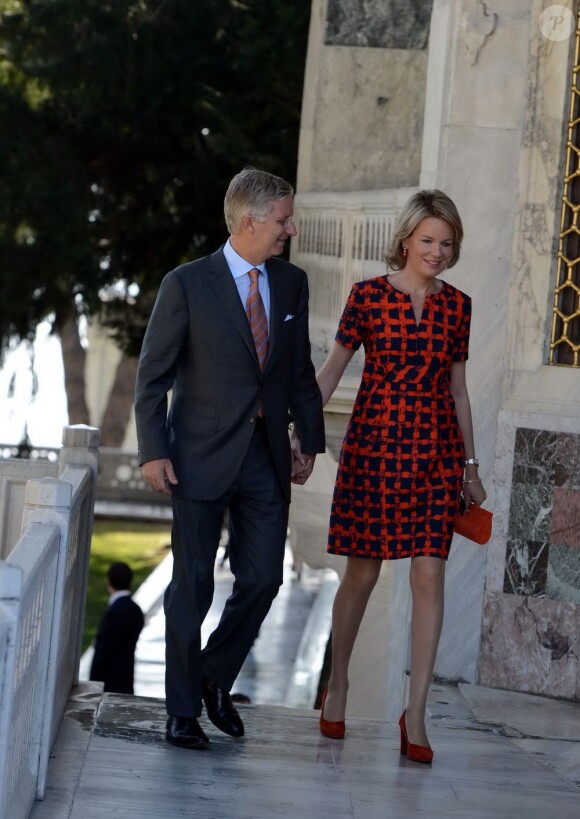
493,134
81,448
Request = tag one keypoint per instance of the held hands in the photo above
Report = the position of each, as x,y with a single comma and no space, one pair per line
302,465
159,475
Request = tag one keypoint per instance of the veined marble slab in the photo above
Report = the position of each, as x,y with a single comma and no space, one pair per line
530,715
284,767
378,23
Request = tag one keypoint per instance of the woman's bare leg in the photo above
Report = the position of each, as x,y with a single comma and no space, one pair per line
427,588
347,613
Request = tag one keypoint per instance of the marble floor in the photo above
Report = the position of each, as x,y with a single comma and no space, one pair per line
111,759
498,755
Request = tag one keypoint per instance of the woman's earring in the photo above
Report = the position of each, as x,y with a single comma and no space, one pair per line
404,253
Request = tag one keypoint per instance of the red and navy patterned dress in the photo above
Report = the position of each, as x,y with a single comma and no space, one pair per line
401,465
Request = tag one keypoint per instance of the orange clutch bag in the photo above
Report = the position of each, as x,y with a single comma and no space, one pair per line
475,525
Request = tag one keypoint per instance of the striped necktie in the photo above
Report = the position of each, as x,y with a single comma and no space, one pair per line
257,317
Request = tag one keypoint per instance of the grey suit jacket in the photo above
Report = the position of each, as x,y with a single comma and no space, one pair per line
199,343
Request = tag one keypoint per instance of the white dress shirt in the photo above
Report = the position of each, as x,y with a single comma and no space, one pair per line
239,269
118,594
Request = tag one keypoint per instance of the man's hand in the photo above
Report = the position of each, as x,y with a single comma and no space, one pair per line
159,475
302,465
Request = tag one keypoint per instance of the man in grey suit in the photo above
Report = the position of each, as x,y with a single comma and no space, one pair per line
229,334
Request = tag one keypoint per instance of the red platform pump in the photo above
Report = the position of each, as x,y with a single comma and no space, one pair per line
416,753
333,730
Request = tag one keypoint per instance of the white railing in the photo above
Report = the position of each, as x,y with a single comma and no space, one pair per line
42,597
27,589
342,238
119,482
14,474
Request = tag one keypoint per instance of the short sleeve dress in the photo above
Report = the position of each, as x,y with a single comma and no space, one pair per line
401,464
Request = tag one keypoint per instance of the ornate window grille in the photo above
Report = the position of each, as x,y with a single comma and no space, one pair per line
565,341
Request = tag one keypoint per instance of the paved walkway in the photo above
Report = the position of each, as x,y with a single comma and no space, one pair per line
111,760
498,755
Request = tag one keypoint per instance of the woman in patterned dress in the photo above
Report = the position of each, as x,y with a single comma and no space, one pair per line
408,451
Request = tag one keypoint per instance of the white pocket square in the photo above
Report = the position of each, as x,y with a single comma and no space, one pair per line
288,317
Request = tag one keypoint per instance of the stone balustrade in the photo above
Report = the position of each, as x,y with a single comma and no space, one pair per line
43,581
342,238
119,483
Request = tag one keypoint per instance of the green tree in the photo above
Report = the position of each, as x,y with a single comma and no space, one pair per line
127,120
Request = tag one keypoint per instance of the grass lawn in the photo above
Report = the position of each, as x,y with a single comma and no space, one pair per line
141,545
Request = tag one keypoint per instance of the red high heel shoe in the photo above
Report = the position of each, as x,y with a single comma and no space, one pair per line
333,730
416,753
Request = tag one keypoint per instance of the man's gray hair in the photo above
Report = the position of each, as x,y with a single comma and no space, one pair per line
252,193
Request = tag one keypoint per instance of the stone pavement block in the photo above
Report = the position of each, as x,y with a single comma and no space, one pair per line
284,767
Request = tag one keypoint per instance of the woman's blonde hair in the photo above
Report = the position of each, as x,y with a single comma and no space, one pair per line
253,192
420,206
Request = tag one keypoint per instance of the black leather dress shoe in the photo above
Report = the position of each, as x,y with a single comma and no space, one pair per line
185,733
221,710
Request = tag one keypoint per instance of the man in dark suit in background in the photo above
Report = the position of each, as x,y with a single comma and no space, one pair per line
229,335
119,629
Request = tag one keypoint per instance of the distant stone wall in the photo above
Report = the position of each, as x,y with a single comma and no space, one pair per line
119,479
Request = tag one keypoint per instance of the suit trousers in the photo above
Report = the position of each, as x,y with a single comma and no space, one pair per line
258,526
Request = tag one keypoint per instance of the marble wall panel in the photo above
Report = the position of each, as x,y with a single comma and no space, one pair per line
530,644
530,511
544,518
531,635
563,574
565,523
378,23
535,453
526,568
567,461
